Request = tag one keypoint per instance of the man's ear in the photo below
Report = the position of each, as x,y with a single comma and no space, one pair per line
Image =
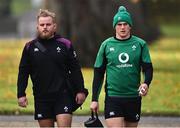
55,26
130,27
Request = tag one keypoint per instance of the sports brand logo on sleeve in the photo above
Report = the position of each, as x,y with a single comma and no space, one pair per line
111,49
36,49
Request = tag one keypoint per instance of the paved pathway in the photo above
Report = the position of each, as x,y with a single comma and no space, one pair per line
28,121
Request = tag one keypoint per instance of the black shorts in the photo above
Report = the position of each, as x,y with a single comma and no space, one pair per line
129,108
60,103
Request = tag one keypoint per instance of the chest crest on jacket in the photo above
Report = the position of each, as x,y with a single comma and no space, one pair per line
58,49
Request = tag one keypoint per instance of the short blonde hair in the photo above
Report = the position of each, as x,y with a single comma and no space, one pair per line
46,13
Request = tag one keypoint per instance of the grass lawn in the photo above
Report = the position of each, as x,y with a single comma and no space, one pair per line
164,94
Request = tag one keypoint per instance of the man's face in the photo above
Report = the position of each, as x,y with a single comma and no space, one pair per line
46,27
122,30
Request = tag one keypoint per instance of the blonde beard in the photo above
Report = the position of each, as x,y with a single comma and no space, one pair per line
46,36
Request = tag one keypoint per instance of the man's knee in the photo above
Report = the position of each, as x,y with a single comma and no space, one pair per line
64,120
46,123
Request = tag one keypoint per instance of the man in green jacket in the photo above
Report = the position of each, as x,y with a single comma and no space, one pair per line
122,57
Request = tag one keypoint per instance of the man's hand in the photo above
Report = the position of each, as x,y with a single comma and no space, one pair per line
143,89
94,106
80,97
22,101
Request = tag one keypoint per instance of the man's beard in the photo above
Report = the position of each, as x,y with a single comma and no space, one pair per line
45,34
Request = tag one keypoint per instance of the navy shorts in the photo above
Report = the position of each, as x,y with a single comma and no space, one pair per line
60,103
129,108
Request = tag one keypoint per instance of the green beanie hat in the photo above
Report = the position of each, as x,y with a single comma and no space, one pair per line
122,15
